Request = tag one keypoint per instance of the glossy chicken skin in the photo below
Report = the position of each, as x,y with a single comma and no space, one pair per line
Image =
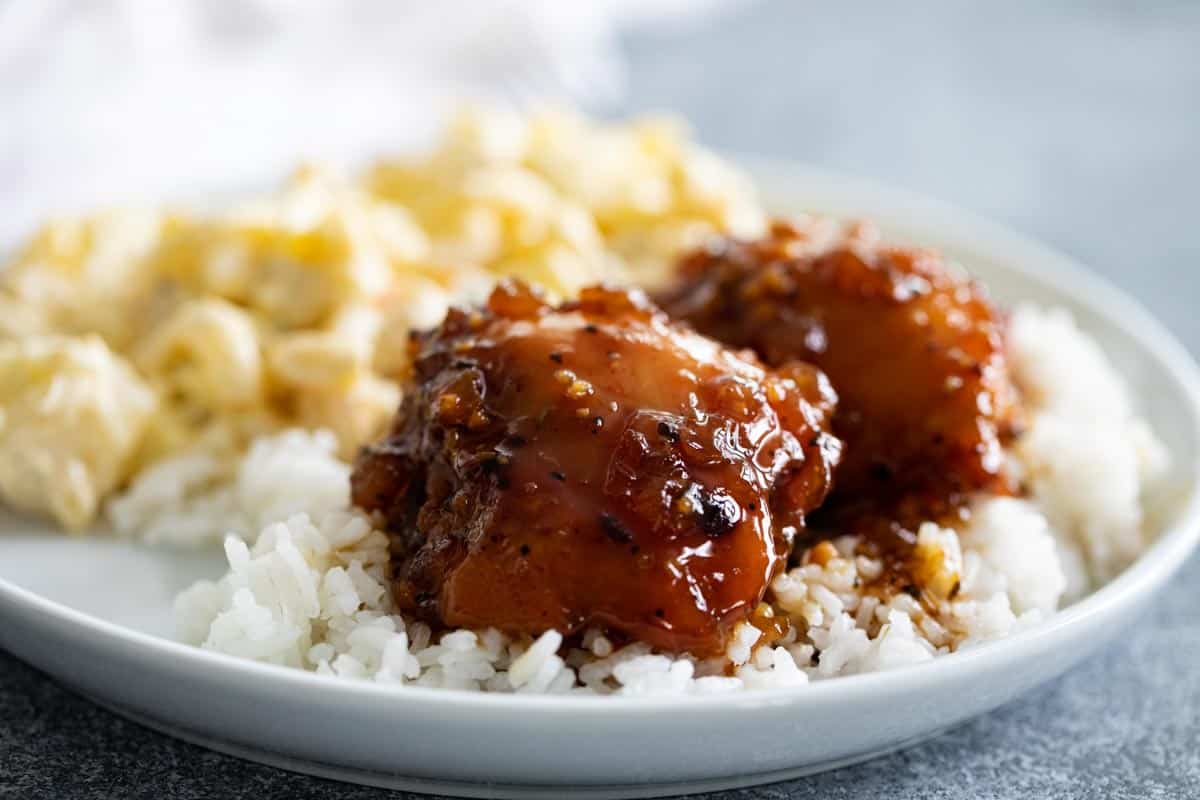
914,350
594,464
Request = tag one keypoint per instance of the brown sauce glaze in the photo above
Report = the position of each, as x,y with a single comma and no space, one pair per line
595,464
915,352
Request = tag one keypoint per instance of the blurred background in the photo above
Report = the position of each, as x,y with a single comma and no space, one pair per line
1077,122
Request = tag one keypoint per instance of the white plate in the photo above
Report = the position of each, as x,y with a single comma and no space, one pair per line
95,614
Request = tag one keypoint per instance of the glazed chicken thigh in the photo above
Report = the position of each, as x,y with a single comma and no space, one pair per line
915,352
595,464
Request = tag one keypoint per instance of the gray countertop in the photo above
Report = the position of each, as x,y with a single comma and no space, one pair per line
1078,123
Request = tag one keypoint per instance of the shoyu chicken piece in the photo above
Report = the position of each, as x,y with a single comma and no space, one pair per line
915,351
595,464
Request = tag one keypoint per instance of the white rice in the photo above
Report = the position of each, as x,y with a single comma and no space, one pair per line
195,499
313,595
1087,458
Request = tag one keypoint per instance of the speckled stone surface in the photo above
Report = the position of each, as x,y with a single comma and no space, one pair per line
1078,123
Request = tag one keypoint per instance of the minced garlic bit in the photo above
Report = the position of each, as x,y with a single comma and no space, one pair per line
579,389
294,308
937,563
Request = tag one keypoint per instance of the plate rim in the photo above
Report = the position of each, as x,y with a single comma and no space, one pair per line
1145,576
501,789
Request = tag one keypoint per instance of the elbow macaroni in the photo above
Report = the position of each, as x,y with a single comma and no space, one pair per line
73,417
206,354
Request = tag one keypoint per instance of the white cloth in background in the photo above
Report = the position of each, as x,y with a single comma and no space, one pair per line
122,100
